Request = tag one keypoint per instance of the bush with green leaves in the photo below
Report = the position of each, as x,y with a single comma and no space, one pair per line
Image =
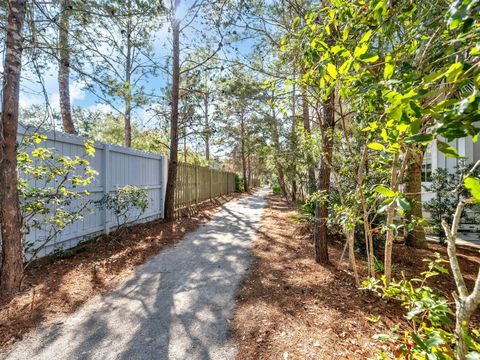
239,183
445,199
429,315
276,189
51,189
124,202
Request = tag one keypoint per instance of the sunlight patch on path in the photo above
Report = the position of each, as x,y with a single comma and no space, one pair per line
176,306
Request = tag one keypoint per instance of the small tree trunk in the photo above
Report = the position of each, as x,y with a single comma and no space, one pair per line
413,189
249,171
390,218
351,254
207,128
12,253
276,146
172,164
294,144
323,182
308,132
64,69
244,160
465,303
128,90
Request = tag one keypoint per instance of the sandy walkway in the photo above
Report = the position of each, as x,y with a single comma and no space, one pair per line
176,306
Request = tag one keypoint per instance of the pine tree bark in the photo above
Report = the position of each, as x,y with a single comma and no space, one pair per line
413,189
128,90
173,161
244,160
323,182
276,145
206,127
64,68
12,254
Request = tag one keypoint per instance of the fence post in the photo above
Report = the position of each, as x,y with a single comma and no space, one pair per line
196,184
210,183
161,205
106,184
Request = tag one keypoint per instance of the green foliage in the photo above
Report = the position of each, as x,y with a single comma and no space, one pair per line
124,202
445,200
276,189
429,335
51,188
239,183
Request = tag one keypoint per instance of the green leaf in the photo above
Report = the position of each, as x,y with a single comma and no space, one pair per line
360,50
473,185
295,21
345,67
419,341
403,204
447,150
332,70
384,191
376,146
454,71
434,340
434,76
385,205
420,138
368,58
388,71
366,37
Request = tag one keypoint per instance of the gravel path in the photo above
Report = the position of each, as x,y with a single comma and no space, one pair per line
178,305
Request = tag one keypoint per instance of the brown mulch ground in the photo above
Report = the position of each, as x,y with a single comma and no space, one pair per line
56,286
292,308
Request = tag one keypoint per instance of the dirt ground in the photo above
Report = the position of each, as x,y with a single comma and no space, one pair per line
58,285
292,308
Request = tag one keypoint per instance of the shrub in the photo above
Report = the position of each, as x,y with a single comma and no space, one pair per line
276,189
51,189
125,201
445,201
429,335
239,184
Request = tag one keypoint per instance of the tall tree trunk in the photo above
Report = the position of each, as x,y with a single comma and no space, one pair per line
128,90
323,181
413,189
64,68
12,254
294,144
207,128
276,145
244,160
249,170
308,132
394,184
172,164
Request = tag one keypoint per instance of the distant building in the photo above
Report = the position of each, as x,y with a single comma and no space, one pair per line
434,159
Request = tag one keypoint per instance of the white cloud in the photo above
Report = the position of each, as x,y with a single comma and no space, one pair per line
28,99
103,108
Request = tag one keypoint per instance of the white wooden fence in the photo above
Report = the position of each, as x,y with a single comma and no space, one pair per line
116,166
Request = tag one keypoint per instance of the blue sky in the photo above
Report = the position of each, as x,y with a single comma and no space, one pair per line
32,92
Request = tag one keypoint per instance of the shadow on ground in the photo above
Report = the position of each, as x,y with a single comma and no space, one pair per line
176,306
